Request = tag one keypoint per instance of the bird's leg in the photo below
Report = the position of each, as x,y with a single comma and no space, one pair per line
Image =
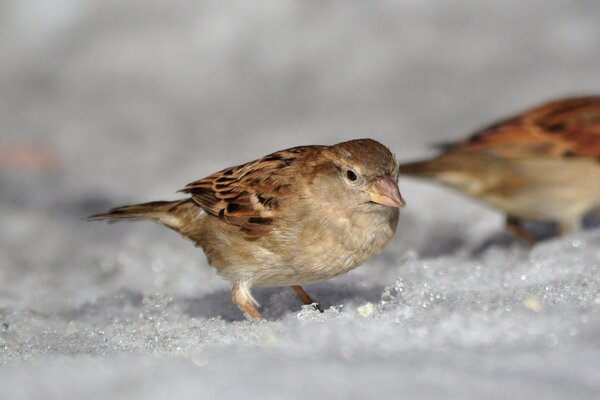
241,296
305,297
514,227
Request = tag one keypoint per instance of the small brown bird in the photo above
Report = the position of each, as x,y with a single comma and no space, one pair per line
541,165
294,217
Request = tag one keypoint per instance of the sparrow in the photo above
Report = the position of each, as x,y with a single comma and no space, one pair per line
540,165
293,217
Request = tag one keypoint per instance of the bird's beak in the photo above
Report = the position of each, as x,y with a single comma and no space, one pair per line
385,192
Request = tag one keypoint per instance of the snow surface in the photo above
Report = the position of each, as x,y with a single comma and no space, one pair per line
139,98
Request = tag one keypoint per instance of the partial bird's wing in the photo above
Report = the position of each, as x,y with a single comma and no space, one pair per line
563,128
250,195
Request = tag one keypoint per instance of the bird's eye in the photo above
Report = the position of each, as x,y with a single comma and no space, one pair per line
351,175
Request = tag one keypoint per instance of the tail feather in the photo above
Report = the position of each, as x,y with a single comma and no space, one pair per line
164,212
424,168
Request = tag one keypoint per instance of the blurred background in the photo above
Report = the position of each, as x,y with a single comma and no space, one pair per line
106,102
136,98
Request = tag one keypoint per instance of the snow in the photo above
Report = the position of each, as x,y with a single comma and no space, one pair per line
138,99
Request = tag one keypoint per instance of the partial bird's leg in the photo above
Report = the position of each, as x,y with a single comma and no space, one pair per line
305,297
241,296
514,227
568,226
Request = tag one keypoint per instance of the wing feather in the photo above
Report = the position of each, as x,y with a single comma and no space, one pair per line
249,195
563,128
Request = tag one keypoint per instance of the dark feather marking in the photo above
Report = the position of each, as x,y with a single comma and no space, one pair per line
287,161
282,187
556,128
271,203
564,109
254,181
260,220
272,157
233,207
261,199
274,203
224,179
477,137
198,190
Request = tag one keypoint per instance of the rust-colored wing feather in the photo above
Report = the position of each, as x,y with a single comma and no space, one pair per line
249,195
563,128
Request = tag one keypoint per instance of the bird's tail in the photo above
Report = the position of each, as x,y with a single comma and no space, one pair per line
169,213
425,168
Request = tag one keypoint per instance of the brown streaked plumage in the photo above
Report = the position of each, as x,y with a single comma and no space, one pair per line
293,217
541,165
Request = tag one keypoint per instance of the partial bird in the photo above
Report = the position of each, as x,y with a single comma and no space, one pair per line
294,217
540,165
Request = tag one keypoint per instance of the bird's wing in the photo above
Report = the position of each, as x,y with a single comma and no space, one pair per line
563,128
250,195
